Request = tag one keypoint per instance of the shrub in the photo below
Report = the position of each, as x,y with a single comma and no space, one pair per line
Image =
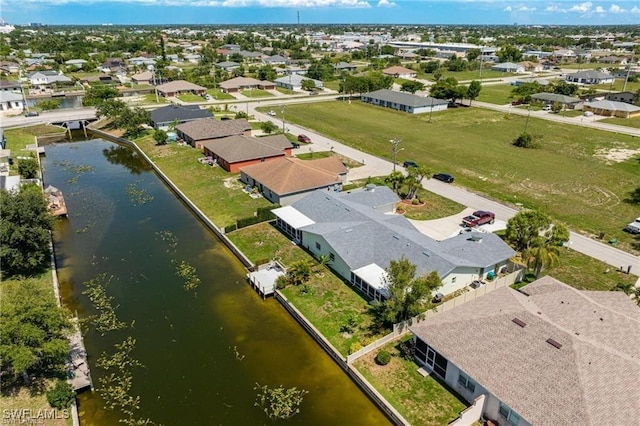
383,358
355,347
28,168
525,140
415,201
61,395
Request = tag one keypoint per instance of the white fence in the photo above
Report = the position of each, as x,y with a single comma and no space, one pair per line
471,414
403,327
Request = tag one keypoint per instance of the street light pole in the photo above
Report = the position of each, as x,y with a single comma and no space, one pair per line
526,123
283,121
394,149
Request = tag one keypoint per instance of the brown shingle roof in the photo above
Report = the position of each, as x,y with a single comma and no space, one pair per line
591,380
243,148
289,175
240,82
397,70
212,129
179,86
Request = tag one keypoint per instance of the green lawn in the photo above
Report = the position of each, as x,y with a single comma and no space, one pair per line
219,95
499,94
586,273
217,193
567,177
421,400
617,86
190,97
256,93
467,75
19,138
151,98
326,300
333,85
629,122
285,91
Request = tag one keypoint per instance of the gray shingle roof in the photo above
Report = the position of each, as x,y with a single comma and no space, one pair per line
206,128
181,113
242,148
591,380
554,97
360,234
613,106
591,74
404,98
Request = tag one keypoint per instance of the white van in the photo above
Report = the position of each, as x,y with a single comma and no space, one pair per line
547,107
633,227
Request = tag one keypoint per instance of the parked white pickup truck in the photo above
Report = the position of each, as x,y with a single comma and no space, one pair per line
633,227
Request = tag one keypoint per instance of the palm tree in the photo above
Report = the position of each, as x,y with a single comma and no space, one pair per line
541,256
299,272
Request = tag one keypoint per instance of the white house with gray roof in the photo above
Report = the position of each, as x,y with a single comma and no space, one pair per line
361,234
546,355
403,101
590,77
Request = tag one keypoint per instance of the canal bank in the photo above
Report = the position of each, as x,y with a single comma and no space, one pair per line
340,360
203,351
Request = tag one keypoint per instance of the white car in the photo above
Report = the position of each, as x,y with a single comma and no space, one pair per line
587,114
272,113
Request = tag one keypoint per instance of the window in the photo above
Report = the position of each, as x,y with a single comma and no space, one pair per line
466,382
318,246
332,257
509,414
453,280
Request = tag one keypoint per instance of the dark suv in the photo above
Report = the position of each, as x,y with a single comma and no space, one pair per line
304,138
408,164
443,177
31,114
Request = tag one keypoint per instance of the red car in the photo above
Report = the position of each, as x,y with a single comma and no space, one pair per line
304,138
478,218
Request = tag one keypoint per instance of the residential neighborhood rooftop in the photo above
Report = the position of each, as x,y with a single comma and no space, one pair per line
554,354
207,128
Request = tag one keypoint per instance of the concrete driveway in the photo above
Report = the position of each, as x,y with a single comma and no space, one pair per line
450,226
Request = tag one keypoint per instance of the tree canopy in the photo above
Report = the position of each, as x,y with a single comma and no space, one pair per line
33,329
408,294
25,223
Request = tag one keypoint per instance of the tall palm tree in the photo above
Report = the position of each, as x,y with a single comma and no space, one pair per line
541,256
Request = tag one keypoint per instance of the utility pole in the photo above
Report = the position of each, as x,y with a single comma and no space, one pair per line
394,149
283,120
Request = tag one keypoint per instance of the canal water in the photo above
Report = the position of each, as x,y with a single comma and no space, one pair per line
202,350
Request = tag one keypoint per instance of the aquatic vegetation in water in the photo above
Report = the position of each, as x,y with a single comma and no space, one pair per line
76,169
115,387
138,196
106,319
279,403
187,272
170,238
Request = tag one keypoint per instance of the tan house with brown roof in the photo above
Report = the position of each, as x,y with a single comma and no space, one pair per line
245,83
288,179
233,152
197,132
174,88
548,354
399,72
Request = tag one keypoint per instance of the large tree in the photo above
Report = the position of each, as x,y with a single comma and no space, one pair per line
33,330
408,294
98,94
525,227
25,223
473,90
412,86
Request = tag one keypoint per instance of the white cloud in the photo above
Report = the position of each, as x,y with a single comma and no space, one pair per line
216,3
552,8
635,9
582,7
507,9
599,9
386,3
616,9
526,9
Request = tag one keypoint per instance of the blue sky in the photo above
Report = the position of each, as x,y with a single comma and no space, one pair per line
321,11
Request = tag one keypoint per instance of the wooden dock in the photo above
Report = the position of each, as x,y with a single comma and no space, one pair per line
55,200
264,279
78,374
